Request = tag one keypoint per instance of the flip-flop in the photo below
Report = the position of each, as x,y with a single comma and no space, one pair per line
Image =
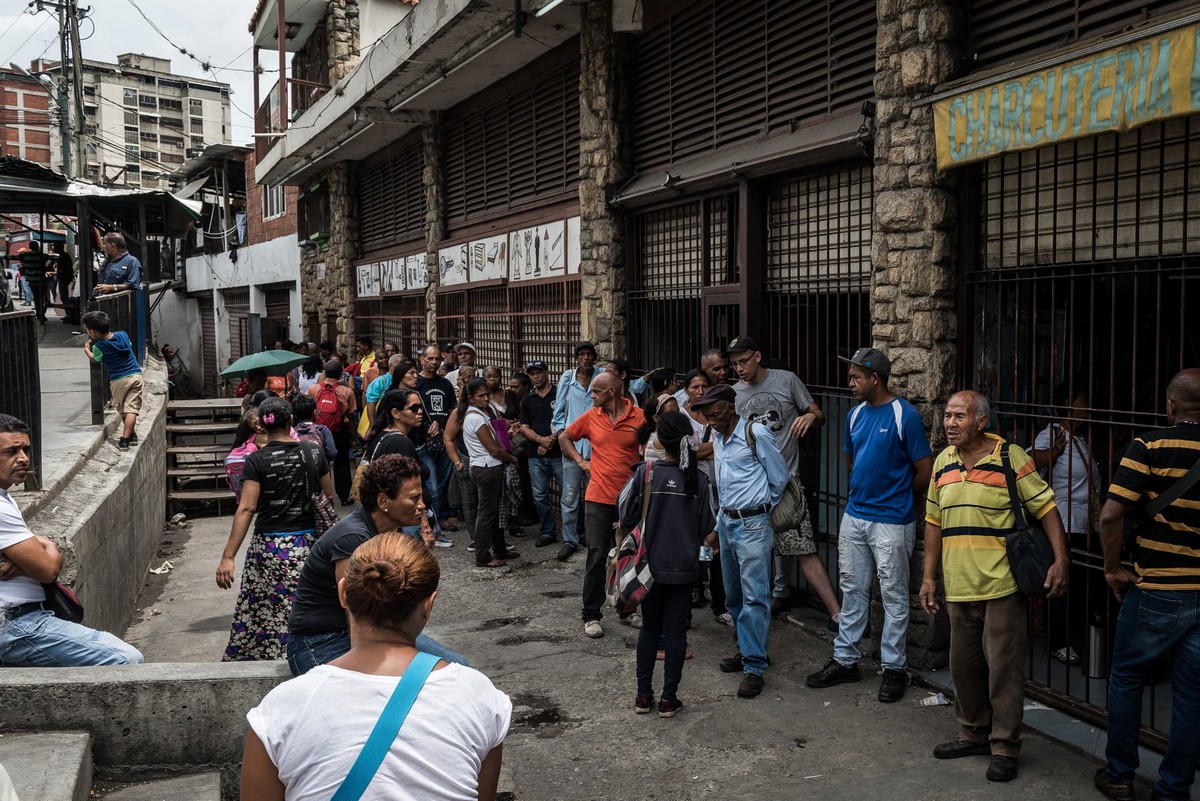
662,655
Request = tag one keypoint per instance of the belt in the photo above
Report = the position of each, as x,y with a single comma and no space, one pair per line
751,512
14,612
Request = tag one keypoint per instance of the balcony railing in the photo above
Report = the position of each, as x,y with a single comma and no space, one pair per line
269,118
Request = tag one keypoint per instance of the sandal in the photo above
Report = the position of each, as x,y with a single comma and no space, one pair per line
493,563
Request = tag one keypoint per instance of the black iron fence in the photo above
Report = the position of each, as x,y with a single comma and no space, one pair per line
21,390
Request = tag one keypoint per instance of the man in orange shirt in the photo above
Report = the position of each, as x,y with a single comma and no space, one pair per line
334,402
611,427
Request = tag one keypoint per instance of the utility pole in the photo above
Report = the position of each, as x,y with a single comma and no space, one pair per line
64,111
77,69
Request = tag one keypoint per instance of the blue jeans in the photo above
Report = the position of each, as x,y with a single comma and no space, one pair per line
440,471
306,651
541,470
746,544
574,484
1153,624
39,639
866,547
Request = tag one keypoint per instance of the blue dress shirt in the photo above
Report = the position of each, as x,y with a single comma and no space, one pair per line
745,480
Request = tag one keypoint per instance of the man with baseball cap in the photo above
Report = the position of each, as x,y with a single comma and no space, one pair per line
750,483
779,400
572,398
465,352
542,451
889,461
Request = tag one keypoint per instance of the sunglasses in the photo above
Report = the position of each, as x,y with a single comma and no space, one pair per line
416,407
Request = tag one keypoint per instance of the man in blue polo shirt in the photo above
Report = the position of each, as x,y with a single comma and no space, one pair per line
888,458
121,270
572,398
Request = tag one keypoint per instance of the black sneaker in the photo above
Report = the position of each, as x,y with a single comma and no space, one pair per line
133,440
668,707
123,443
751,686
834,673
564,553
542,542
891,689
1002,769
698,599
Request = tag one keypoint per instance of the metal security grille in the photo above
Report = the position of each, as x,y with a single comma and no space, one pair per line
1000,33
515,143
1086,265
237,312
816,306
716,74
208,345
391,196
515,324
394,319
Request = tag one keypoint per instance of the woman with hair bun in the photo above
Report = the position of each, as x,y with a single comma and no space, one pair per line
278,483
307,733
390,495
679,517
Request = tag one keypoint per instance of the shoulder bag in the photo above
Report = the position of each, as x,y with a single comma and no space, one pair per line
62,603
1029,553
386,728
628,580
1136,520
324,515
790,519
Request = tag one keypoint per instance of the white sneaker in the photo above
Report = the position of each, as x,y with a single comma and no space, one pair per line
725,619
593,629
634,621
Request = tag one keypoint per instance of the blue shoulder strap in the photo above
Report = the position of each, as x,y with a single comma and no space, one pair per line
386,728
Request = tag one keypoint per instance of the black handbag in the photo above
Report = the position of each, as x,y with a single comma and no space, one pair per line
1029,553
62,603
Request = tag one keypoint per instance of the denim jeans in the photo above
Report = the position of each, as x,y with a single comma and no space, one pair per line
440,470
574,484
541,470
306,651
1151,625
746,544
39,639
665,612
866,547
599,519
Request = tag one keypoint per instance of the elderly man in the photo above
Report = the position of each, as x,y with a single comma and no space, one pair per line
465,353
120,270
1160,609
750,482
611,426
967,514
30,636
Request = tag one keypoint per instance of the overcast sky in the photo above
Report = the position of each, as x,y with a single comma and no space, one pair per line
214,30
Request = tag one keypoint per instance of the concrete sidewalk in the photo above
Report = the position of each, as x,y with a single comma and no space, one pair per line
574,734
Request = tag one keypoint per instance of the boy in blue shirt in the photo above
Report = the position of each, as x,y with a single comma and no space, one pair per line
115,352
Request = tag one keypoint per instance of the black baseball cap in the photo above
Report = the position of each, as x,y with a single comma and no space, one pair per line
537,365
872,359
718,392
740,344
585,345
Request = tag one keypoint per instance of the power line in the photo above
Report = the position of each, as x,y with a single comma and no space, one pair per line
205,65
13,24
22,44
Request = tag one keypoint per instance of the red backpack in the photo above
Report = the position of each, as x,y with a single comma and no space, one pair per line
329,408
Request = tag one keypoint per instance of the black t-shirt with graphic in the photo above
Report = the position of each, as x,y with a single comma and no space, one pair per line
437,395
288,473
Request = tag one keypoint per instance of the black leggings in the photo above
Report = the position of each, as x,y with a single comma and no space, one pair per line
665,612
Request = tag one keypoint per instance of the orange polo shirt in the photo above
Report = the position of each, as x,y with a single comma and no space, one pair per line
615,449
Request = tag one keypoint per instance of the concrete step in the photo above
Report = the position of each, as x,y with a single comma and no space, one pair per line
49,766
195,787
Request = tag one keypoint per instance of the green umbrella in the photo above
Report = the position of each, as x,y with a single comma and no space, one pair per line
271,362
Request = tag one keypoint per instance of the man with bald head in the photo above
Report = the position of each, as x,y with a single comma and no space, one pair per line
1160,598
967,514
611,427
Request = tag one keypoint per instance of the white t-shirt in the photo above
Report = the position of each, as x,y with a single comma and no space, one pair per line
22,589
475,419
1070,479
314,726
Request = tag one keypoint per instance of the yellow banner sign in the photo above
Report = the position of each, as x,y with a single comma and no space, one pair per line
1119,89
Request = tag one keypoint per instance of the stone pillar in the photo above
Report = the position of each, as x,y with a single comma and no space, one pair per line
913,249
341,22
327,276
433,177
603,166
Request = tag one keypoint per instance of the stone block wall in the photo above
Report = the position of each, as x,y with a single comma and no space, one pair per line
327,276
603,166
341,22
914,241
433,177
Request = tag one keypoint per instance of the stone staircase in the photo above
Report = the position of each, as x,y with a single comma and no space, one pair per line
57,766
199,436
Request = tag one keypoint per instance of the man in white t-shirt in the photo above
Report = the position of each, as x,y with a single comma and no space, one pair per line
29,635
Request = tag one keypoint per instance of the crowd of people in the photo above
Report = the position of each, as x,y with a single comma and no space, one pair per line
430,446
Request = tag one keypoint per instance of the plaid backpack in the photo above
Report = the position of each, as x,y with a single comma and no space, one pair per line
629,579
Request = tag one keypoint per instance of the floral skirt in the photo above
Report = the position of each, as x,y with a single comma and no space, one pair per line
269,578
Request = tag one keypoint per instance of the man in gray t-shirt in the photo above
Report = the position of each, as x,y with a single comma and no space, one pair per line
779,400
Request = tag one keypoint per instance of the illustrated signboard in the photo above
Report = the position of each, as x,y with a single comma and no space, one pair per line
391,276
368,280
573,246
452,265
417,272
537,252
488,258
